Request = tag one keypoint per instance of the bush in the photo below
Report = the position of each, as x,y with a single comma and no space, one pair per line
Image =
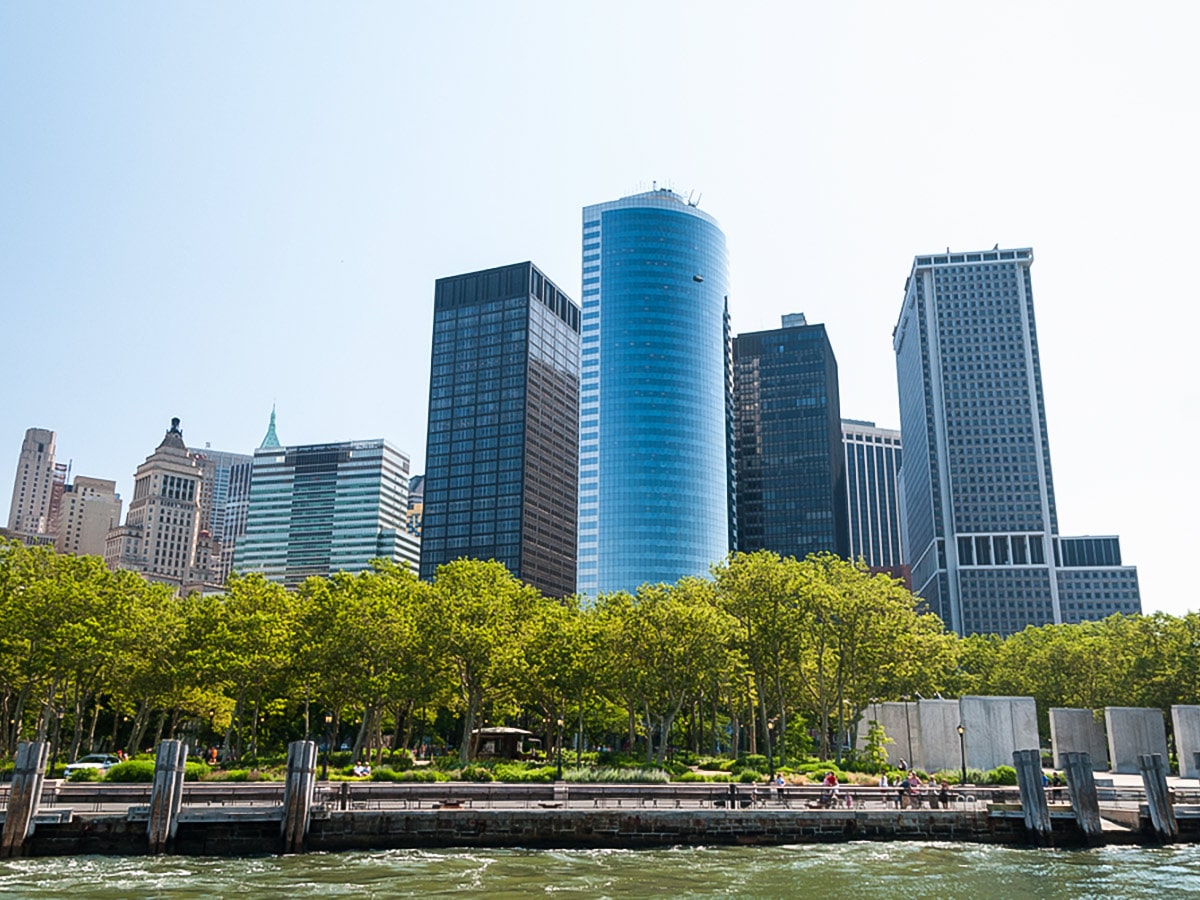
446,763
749,775
1002,775
194,770
400,760
615,775
136,771
475,773
755,761
520,774
86,775
242,775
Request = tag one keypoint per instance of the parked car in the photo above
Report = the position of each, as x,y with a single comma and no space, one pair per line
101,761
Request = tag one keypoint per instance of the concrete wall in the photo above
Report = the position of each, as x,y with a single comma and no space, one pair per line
1078,731
1186,720
1132,731
896,719
995,727
938,729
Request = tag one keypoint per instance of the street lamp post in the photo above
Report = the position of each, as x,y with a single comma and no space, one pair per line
771,750
962,751
328,746
560,734
908,730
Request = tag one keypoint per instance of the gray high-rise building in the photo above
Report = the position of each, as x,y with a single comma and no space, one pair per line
502,454
791,490
977,492
224,501
872,466
37,481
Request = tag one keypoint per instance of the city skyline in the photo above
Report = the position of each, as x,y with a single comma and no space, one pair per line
279,222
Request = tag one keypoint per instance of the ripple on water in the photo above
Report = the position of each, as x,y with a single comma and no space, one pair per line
899,870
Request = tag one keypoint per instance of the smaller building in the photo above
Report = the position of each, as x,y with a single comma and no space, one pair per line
872,466
318,509
89,509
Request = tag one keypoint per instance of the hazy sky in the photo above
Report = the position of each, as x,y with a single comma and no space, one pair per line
207,208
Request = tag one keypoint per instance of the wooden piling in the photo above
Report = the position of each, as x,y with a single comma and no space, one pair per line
24,797
166,797
1028,764
298,794
1081,787
1162,816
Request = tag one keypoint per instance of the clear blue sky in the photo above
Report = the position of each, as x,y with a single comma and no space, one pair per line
207,208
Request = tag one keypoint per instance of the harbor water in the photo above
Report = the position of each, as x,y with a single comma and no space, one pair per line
859,869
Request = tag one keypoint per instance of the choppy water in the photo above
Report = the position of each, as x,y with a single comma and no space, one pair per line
896,870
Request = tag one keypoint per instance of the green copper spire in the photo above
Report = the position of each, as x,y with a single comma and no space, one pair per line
272,439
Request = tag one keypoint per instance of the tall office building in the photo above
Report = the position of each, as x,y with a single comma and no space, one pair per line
32,510
89,509
502,454
164,537
224,501
416,504
872,466
319,509
656,489
791,490
977,493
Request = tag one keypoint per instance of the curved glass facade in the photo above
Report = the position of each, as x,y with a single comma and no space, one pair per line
654,407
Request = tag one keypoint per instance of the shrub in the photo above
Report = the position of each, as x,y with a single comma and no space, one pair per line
194,770
475,773
450,761
1003,775
615,775
755,761
86,775
135,771
749,775
520,774
400,760
244,775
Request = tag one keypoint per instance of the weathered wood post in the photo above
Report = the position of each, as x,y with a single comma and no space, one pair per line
1081,787
1154,776
24,797
1028,764
166,797
298,793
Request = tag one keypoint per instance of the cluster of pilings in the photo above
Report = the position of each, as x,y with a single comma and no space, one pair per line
1085,804
166,797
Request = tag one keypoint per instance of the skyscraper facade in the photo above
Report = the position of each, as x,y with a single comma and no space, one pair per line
163,537
791,489
224,502
872,467
34,487
977,492
319,509
656,490
502,452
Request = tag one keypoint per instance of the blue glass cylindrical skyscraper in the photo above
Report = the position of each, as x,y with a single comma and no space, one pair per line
655,473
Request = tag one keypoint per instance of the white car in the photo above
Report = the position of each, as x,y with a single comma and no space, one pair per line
101,761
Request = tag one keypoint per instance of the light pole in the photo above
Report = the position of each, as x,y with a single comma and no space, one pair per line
770,750
328,746
908,730
962,751
560,732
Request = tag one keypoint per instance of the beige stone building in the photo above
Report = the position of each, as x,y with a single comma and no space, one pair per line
32,510
164,537
89,509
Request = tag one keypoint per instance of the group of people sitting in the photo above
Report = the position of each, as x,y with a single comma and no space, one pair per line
912,791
